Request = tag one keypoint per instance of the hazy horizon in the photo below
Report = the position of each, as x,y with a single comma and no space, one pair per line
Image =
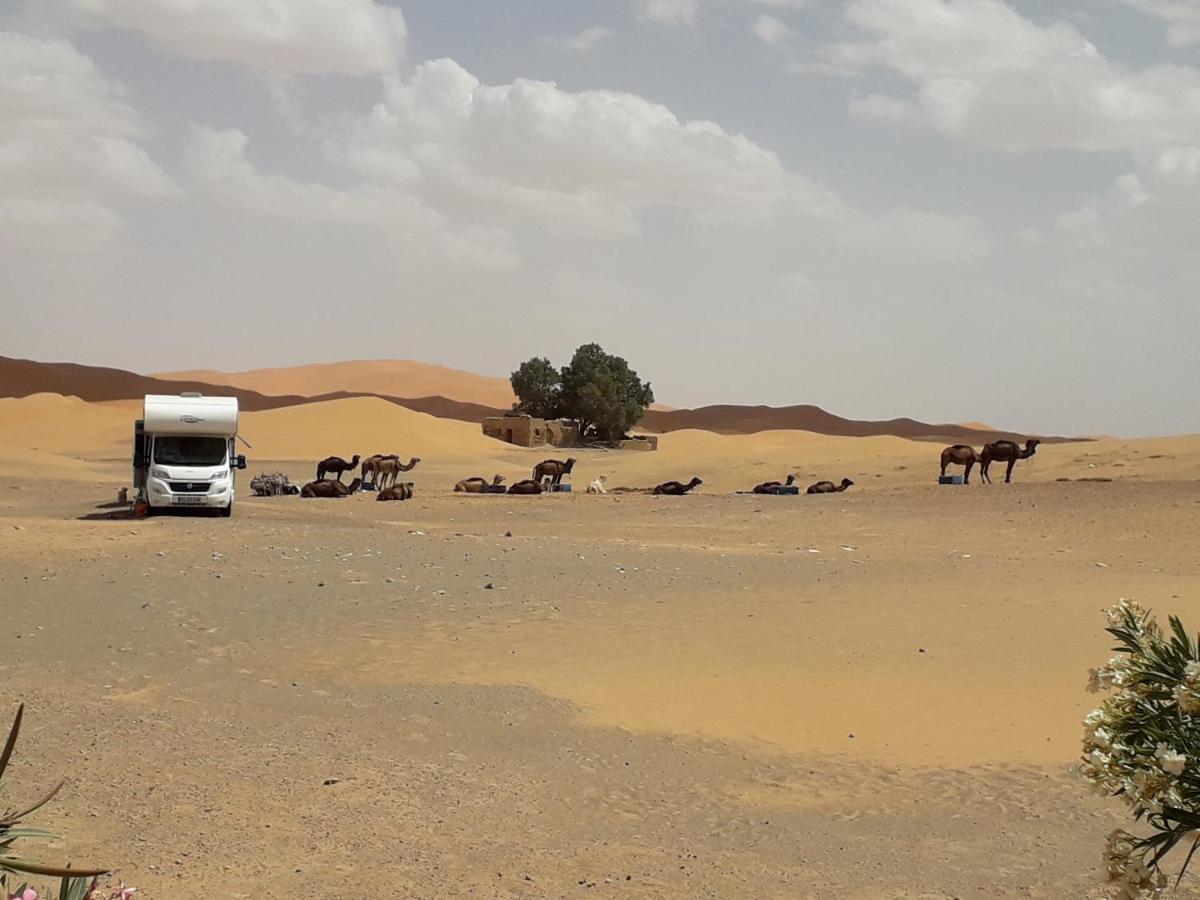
952,211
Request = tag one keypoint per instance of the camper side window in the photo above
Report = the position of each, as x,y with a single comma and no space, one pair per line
190,451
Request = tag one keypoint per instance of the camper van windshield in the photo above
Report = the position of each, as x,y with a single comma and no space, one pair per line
189,451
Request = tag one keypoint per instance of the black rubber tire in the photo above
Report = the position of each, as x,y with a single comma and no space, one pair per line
226,511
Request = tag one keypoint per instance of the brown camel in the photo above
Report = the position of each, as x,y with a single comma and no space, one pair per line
960,455
335,465
828,487
386,470
676,489
1004,451
368,465
478,485
772,487
329,489
401,491
554,469
528,486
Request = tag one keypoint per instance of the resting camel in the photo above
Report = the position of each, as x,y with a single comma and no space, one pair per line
329,489
401,491
528,486
772,487
960,455
598,485
554,469
386,470
477,485
828,487
335,465
676,489
1004,451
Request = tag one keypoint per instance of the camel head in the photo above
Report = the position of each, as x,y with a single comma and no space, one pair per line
1032,444
355,484
846,482
354,462
497,480
791,479
569,464
695,482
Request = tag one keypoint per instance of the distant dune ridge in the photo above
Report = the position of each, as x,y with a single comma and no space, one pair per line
399,381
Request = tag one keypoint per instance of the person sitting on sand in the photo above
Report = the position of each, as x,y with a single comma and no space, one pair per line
598,486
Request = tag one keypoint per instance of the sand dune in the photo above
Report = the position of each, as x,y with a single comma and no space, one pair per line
394,377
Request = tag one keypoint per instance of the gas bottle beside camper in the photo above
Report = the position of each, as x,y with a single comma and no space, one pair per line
183,452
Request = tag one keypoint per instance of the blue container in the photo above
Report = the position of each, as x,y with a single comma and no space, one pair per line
950,479
562,489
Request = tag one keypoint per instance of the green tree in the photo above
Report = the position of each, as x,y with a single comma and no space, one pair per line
538,387
600,390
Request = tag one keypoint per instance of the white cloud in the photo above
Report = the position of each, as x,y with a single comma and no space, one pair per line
668,12
983,73
1182,18
68,146
589,160
298,36
217,162
771,31
583,41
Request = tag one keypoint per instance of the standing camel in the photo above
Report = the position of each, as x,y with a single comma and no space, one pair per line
1004,451
554,469
960,455
335,465
386,470
828,487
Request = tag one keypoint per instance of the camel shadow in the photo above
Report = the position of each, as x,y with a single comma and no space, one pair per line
115,513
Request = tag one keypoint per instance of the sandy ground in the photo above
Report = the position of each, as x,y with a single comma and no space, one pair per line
867,695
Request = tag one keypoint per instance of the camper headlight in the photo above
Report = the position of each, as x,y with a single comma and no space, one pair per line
159,473
219,475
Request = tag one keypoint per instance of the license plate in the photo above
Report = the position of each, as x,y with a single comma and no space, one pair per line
187,501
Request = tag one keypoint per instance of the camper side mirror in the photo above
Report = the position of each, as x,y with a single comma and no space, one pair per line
241,461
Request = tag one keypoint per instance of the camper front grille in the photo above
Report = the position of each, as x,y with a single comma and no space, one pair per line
188,487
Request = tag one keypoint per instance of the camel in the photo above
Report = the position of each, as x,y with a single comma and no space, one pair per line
368,465
1004,451
676,489
478,485
828,487
598,485
335,464
554,469
385,470
528,486
960,455
772,487
401,491
329,489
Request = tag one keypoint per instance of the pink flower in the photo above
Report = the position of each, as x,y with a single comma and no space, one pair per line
25,894
123,893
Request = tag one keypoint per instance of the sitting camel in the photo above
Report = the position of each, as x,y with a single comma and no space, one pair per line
772,487
328,489
960,455
554,469
335,465
598,485
828,487
401,491
528,486
676,489
386,470
478,485
1004,451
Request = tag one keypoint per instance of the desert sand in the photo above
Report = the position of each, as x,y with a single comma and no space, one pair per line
871,694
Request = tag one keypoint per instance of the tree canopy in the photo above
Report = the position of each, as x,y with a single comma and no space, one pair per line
597,389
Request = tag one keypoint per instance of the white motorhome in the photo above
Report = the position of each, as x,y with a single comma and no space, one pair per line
183,452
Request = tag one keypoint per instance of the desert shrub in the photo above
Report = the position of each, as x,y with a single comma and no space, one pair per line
1142,744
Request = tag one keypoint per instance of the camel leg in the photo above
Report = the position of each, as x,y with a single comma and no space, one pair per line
944,470
984,478
1008,473
967,472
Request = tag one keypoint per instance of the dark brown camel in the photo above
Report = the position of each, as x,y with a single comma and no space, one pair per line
828,487
387,469
772,487
1004,451
335,465
401,491
677,489
478,485
554,469
960,455
528,486
329,489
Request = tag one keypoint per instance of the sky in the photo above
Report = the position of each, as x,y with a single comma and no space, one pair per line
952,210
